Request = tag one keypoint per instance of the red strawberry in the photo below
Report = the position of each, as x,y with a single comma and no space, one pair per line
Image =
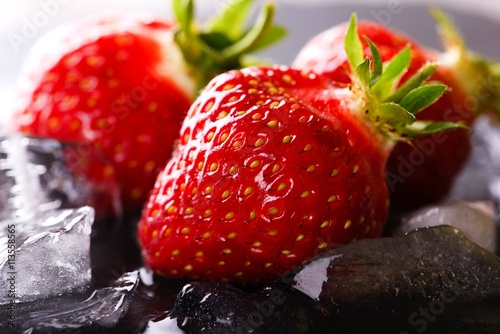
121,83
421,173
275,165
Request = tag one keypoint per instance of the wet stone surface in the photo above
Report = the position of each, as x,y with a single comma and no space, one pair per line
418,266
433,280
409,284
213,307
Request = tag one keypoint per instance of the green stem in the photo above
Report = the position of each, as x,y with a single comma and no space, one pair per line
223,45
479,77
253,36
416,80
392,111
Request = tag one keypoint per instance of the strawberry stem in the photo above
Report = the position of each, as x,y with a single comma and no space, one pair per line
223,44
253,37
390,109
475,73
423,74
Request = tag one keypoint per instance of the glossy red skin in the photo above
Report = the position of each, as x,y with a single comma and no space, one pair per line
423,173
175,226
101,87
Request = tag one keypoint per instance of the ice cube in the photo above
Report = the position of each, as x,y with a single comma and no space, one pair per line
495,191
483,166
24,194
49,262
90,311
476,220
36,179
38,175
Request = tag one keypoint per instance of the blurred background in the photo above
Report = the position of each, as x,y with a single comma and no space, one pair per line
22,22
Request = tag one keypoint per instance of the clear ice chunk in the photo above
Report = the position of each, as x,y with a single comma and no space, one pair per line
50,259
90,311
483,166
476,220
38,175
36,178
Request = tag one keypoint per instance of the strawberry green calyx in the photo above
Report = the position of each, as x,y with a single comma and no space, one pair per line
224,43
478,77
392,109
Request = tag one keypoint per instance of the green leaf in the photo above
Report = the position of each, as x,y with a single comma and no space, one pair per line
450,37
251,40
225,45
416,80
477,72
376,61
274,34
183,11
352,44
231,21
215,40
421,97
419,128
191,55
391,108
394,114
179,13
394,70
363,72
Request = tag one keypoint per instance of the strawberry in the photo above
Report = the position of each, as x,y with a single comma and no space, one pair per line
423,172
276,165
121,83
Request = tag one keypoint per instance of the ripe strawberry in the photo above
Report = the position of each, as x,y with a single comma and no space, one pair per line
121,83
421,173
275,165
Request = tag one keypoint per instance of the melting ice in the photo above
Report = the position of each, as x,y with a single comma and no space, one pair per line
49,262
